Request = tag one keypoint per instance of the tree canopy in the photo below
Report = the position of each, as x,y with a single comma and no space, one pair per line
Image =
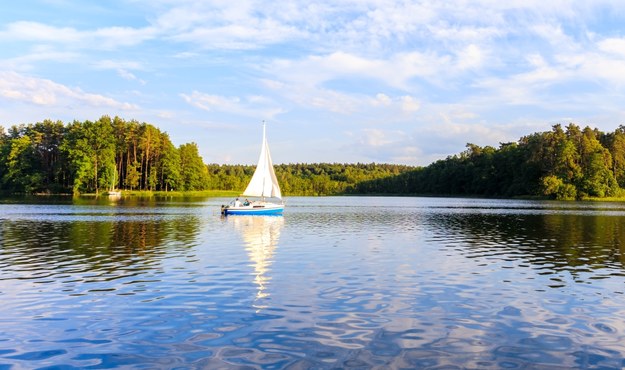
112,153
563,163
91,156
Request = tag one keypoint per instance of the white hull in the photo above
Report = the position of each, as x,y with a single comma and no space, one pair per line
256,208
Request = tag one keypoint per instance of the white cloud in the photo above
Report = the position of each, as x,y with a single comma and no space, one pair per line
43,92
122,68
409,104
465,34
118,64
272,84
384,145
396,71
326,99
412,147
371,64
468,132
382,99
252,106
615,46
471,57
129,76
209,102
34,31
603,69
226,25
375,137
406,103
307,95
37,55
186,55
114,37
165,115
101,38
237,36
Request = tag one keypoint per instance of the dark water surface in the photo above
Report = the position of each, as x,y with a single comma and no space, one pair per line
334,283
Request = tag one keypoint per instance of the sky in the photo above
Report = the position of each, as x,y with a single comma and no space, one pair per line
345,81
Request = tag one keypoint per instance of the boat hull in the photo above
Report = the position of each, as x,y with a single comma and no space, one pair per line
267,209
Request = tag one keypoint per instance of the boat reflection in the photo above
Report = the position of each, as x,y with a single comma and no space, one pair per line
260,235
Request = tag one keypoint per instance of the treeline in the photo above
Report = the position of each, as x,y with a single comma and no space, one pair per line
564,163
111,153
305,179
93,156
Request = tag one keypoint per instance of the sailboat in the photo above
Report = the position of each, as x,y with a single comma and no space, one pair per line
263,185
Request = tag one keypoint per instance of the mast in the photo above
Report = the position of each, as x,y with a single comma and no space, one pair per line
264,146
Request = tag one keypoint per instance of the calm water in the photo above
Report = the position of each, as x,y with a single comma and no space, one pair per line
334,283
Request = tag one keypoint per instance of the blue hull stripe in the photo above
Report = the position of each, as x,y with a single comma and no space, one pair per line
258,211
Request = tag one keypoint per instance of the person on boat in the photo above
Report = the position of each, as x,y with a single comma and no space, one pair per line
237,203
247,202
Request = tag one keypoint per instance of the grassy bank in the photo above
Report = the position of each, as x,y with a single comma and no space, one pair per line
181,194
606,199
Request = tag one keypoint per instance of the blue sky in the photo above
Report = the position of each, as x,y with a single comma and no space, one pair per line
404,82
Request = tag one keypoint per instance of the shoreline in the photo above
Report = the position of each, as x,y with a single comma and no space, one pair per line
232,193
136,193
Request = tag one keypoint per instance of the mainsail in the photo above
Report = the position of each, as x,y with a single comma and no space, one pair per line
264,182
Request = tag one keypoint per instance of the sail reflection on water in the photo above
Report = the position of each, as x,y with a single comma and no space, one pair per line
260,235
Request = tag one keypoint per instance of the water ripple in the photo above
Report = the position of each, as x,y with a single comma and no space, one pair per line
422,283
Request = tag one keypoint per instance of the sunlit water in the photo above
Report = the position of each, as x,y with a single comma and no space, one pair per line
342,282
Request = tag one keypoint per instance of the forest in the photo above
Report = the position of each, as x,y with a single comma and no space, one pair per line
51,157
95,156
306,179
563,163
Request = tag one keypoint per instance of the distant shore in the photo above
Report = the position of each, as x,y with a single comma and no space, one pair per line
233,193
139,193
178,194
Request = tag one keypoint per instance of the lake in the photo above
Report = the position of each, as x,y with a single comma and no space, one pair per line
337,282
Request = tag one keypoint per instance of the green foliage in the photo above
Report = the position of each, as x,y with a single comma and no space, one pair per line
20,160
193,172
553,186
562,164
89,157
615,143
4,149
170,166
305,179
29,157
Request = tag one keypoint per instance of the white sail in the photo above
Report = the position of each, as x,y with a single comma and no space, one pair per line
264,182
